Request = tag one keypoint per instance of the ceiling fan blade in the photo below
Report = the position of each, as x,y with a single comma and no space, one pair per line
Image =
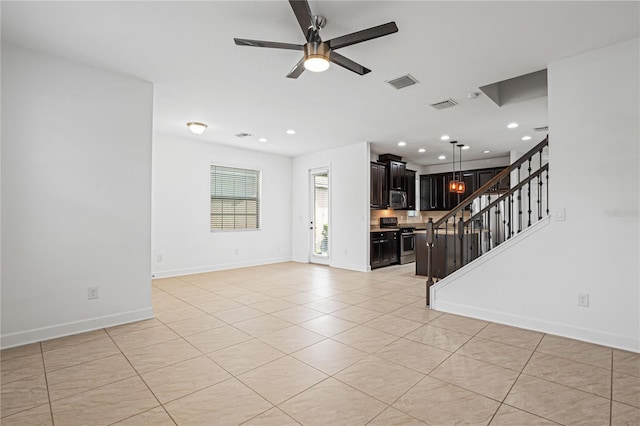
364,35
303,14
347,63
272,44
297,70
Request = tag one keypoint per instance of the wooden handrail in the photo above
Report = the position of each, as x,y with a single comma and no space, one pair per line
497,178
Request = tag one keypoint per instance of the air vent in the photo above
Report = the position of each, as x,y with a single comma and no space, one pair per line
541,129
444,104
402,82
243,135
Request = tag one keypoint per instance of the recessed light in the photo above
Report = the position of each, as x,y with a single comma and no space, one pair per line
291,132
444,137
421,150
512,125
526,138
466,147
442,157
262,140
486,152
402,143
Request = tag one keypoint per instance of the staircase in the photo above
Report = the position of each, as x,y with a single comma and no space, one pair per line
490,216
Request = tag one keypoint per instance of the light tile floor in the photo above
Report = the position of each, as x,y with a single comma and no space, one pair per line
290,344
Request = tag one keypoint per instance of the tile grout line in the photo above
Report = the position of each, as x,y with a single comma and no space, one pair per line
46,383
611,393
143,381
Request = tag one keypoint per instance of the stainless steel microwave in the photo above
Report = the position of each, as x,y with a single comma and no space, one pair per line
397,199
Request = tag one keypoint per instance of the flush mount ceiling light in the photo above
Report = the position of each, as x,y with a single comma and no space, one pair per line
442,157
512,125
291,132
444,137
402,143
196,128
262,140
421,150
526,138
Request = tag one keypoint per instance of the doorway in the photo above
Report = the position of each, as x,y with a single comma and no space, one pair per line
320,214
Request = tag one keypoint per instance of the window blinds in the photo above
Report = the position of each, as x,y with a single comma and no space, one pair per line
235,198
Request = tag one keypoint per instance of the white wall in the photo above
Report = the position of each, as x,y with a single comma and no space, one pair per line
76,197
594,134
181,207
349,192
486,163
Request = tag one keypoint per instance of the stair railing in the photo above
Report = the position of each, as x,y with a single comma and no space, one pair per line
513,200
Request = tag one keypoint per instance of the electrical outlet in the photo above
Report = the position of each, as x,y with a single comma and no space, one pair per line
92,293
560,215
237,251
159,258
583,300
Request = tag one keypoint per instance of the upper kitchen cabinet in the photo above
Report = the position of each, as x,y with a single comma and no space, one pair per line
433,194
397,170
379,190
434,188
410,177
397,175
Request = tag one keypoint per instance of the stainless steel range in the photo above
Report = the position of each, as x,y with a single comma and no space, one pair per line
407,247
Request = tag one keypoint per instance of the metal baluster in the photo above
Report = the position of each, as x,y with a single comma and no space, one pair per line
529,195
455,246
519,203
510,216
461,237
547,192
540,190
470,239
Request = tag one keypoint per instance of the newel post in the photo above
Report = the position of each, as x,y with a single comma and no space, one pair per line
430,241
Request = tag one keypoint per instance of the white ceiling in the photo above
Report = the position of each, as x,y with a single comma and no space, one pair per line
186,49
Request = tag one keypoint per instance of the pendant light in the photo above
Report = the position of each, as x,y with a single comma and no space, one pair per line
453,184
461,188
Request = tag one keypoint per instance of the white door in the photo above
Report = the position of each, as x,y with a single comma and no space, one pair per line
320,213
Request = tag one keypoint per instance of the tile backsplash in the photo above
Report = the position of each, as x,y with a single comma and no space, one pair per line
403,216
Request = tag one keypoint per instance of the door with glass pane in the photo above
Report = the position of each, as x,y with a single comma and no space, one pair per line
320,213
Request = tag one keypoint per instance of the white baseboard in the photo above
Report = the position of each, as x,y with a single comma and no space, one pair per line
213,268
536,324
351,267
60,330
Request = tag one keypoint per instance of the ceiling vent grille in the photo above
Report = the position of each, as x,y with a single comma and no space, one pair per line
402,82
444,104
541,129
243,135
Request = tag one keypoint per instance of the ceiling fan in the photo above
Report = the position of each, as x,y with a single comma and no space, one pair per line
318,53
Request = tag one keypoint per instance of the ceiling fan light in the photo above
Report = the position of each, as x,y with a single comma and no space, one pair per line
196,128
316,63
316,57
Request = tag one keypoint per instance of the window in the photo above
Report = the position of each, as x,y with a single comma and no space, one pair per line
235,198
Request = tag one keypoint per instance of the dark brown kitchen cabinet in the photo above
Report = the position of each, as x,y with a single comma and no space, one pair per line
397,175
394,247
434,188
385,249
411,189
485,175
379,190
433,192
